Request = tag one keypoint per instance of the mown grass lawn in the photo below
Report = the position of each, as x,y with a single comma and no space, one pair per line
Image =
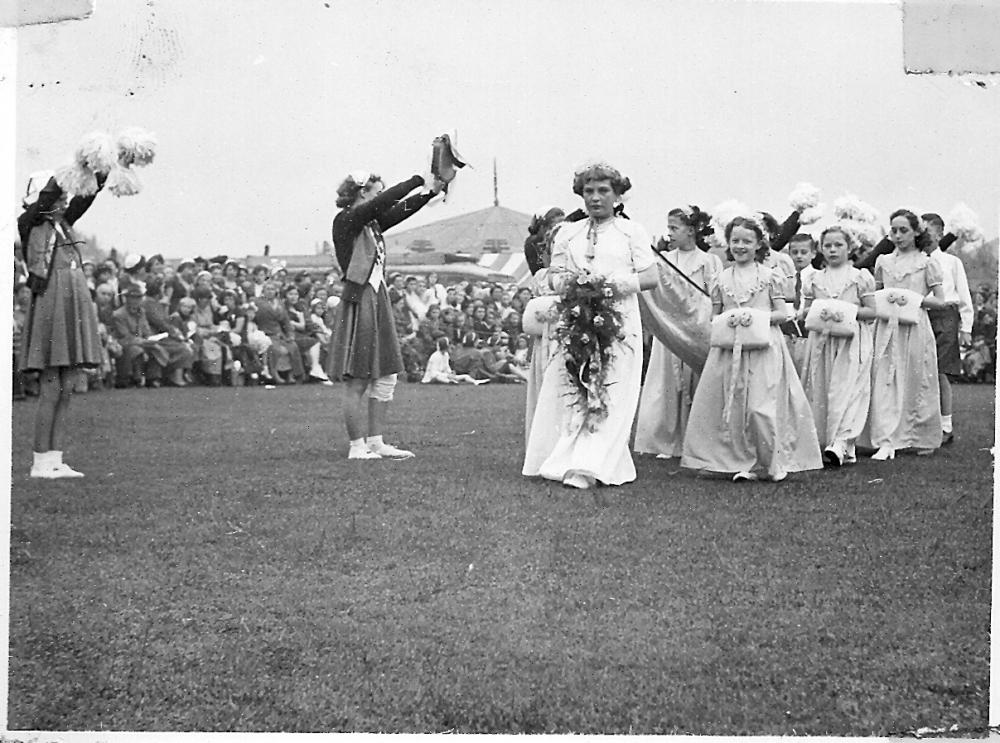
224,567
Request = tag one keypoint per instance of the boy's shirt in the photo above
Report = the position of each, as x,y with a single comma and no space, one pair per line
797,328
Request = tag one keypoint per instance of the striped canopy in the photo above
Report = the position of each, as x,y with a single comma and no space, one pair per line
511,264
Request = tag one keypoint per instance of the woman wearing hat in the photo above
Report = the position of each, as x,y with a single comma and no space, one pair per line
364,350
60,335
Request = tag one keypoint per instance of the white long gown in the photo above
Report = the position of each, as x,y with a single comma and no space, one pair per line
558,443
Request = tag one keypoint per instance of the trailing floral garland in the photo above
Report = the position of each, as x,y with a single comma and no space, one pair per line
589,325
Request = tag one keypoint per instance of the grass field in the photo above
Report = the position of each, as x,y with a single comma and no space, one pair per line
224,567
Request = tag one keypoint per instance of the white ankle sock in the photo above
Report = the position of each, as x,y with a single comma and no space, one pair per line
374,441
946,423
358,445
56,457
41,459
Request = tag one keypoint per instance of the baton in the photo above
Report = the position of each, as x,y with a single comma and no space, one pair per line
683,275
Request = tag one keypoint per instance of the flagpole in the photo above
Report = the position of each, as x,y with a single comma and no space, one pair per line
496,197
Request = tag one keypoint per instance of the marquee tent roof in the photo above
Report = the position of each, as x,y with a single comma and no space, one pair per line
492,237
495,229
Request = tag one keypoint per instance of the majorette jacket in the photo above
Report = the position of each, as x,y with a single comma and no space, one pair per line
357,232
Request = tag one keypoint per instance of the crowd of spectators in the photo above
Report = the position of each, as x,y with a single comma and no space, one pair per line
218,322
979,360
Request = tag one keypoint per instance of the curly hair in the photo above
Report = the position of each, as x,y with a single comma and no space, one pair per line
349,188
754,226
600,171
852,243
921,239
698,221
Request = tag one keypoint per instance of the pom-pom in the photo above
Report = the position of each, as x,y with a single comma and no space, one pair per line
97,152
971,247
812,214
850,207
76,180
725,213
804,196
136,146
963,223
123,181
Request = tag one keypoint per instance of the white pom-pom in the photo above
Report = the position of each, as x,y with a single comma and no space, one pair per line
812,214
725,213
850,206
76,180
971,247
136,146
964,223
803,196
97,152
123,181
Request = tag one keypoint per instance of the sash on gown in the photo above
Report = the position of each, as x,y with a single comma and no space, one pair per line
679,316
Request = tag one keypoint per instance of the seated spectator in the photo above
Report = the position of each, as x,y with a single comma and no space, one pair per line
143,360
104,299
437,294
511,324
481,324
211,350
230,278
284,362
318,326
413,299
467,359
133,272
460,326
180,285
977,361
439,369
257,344
396,287
104,275
521,357
495,354
231,319
305,334
404,319
431,328
180,355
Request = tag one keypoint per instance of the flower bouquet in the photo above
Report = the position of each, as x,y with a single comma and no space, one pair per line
589,326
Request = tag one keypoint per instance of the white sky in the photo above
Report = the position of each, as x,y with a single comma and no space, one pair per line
262,107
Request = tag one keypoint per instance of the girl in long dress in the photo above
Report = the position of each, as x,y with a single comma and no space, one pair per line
561,445
837,371
538,255
670,384
905,408
749,414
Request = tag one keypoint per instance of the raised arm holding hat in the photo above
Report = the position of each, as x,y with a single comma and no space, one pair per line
364,350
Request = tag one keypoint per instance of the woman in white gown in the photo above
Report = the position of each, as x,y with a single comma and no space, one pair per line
561,445
670,383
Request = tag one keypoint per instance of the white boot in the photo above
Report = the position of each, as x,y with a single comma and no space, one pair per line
41,465
60,468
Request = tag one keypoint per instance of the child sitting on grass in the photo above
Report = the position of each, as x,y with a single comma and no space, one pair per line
439,368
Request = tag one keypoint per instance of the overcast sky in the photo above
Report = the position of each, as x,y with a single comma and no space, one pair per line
262,107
